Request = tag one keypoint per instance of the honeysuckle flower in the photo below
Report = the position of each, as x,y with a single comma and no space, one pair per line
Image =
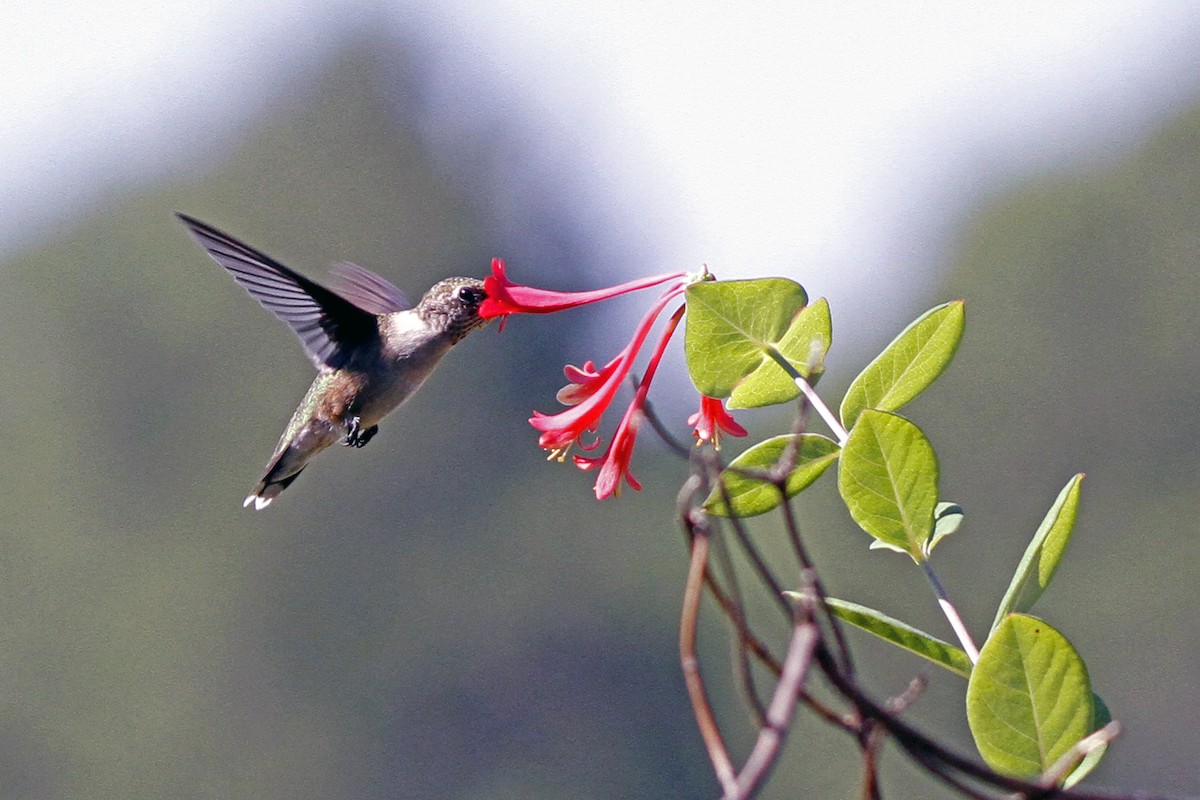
614,464
505,297
711,419
590,390
595,389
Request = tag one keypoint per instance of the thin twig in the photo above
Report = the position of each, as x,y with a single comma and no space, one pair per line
939,770
793,529
741,657
730,609
705,719
873,742
902,701
870,754
952,615
835,425
739,529
779,715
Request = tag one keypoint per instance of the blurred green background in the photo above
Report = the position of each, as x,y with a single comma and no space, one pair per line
445,615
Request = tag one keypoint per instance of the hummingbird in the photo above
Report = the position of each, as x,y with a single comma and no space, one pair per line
371,347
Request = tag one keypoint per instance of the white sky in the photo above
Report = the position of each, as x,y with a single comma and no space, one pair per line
838,137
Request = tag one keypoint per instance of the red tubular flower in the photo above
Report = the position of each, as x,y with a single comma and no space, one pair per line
614,464
505,297
590,390
711,419
597,389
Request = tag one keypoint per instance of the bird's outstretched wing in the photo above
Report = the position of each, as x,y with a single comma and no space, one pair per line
329,326
367,290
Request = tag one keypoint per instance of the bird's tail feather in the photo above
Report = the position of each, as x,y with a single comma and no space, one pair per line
285,467
294,452
267,490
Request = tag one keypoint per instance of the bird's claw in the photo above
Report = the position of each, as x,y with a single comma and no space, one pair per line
357,435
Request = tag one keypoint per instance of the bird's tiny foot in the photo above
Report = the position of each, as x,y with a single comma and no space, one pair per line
357,435
367,435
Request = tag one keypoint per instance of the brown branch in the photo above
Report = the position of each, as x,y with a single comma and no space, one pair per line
705,719
818,588
741,656
712,465
779,715
747,636
870,754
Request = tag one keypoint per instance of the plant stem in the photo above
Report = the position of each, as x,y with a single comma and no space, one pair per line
706,721
772,734
810,394
956,622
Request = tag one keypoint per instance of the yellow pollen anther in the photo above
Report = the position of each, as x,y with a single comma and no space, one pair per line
559,454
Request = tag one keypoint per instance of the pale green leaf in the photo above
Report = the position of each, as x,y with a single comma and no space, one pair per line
1029,699
888,479
908,365
730,324
1044,553
750,496
899,633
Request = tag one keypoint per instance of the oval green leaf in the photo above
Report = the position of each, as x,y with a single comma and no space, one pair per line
907,366
1044,553
899,633
888,479
731,323
1029,699
749,496
804,345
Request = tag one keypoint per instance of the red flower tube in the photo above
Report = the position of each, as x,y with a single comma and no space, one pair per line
505,297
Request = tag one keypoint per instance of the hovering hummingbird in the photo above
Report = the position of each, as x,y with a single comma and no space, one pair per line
372,349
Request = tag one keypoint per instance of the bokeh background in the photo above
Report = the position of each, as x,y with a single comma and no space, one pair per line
443,614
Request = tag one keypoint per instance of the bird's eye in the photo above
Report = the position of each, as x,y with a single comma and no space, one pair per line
470,295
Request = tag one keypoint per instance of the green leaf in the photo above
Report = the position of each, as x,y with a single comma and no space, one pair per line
888,479
751,496
804,346
893,630
908,365
730,325
947,519
1043,554
1029,699
1101,716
